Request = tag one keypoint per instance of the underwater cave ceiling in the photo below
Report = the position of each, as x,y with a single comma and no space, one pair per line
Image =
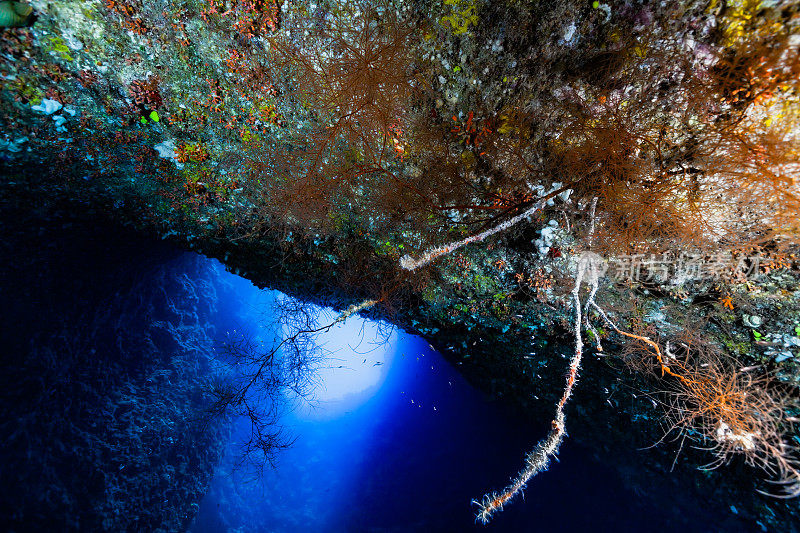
316,147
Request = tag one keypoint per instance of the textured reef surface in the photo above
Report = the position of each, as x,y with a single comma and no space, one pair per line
310,146
107,349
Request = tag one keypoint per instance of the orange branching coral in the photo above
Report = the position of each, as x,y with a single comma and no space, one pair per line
250,18
734,411
195,152
356,93
737,413
145,93
128,11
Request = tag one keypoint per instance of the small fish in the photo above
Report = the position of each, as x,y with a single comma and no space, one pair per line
378,363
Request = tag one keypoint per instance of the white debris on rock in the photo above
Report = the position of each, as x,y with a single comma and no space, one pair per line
73,42
14,146
725,434
605,8
549,235
569,33
48,106
166,149
60,121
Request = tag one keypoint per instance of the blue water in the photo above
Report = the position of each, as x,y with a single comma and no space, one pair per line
397,440
106,436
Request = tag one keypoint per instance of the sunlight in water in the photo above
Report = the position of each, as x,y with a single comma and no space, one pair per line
360,354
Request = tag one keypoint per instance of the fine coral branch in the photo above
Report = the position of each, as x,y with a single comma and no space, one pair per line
538,460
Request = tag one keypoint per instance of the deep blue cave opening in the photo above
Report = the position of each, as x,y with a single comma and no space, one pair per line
109,342
406,450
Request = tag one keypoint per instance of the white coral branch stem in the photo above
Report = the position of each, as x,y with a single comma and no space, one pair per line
409,263
538,460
